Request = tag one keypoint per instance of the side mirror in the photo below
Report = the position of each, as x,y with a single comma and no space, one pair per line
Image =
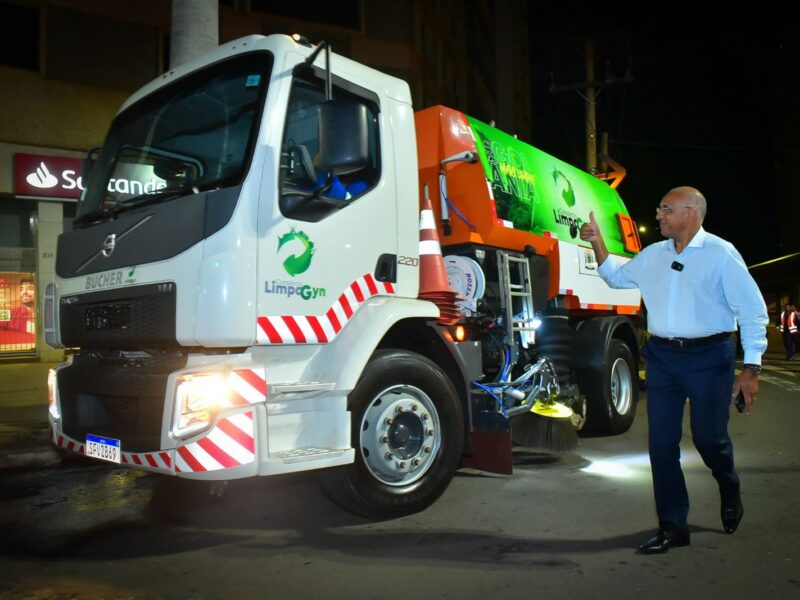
343,136
175,171
87,164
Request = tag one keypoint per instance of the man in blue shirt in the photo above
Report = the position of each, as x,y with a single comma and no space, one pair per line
696,288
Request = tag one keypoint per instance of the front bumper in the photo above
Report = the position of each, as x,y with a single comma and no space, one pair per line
296,427
229,446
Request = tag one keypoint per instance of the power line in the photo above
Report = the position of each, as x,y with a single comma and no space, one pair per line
706,147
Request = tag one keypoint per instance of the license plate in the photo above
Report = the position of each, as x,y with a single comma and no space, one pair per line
103,448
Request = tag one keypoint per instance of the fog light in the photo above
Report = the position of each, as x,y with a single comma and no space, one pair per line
198,399
461,333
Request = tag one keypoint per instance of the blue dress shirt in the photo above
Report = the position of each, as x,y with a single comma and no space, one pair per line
707,296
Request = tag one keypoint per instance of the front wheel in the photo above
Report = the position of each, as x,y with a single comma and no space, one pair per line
612,393
407,429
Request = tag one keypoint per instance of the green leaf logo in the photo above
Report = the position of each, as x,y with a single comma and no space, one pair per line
130,278
297,263
567,194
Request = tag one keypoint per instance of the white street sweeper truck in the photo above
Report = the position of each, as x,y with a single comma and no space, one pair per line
277,266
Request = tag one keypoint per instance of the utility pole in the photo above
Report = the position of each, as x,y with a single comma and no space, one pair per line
591,115
589,90
195,29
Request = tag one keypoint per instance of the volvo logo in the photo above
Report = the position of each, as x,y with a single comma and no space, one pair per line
108,244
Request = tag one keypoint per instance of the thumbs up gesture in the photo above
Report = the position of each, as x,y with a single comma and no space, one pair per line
590,232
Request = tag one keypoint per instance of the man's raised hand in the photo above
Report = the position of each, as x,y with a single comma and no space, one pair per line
590,232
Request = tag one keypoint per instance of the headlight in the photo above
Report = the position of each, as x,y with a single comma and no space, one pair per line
52,399
198,399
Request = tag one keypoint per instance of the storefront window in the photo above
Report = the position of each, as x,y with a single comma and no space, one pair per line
17,313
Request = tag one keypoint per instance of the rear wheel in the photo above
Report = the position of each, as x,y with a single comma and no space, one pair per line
611,393
407,427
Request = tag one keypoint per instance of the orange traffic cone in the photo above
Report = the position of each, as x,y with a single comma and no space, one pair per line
433,284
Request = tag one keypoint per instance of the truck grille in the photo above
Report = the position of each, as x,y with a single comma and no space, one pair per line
116,397
124,318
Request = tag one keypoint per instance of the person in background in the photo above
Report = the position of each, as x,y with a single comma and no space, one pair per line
787,324
696,287
23,317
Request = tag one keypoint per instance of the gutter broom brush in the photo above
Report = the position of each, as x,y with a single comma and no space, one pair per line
547,427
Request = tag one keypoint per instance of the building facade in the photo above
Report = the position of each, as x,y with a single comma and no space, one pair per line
66,66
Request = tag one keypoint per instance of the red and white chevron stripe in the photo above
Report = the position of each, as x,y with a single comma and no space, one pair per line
231,443
157,461
248,386
63,441
321,329
160,461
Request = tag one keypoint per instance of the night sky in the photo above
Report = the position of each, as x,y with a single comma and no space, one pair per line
710,104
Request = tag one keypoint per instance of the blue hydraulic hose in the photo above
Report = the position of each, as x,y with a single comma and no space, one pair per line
489,391
453,206
504,372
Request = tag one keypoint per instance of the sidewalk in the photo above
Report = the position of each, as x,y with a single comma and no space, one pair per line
24,430
25,433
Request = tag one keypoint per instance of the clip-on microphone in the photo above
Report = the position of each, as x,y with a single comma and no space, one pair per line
676,266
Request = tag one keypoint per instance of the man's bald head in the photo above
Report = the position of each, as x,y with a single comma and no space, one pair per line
691,197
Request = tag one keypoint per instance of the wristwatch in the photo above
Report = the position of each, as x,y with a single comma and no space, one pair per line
754,368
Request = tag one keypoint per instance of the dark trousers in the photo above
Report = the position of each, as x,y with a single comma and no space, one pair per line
704,375
788,342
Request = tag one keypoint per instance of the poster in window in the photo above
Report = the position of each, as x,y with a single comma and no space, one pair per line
17,312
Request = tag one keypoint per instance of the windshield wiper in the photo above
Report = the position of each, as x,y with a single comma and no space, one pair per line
102,214
147,199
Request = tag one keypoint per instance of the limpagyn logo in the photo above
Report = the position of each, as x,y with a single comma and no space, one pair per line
565,217
297,263
42,178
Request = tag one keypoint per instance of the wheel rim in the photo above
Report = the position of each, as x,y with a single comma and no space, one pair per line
400,435
621,386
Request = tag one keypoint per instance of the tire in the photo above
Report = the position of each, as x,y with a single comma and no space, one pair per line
407,430
612,393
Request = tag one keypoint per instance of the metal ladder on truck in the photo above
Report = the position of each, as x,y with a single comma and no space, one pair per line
517,298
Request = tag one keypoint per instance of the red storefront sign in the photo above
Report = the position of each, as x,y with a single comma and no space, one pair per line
51,176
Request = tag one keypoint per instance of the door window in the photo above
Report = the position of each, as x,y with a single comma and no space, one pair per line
308,192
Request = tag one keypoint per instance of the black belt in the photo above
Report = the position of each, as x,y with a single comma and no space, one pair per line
690,342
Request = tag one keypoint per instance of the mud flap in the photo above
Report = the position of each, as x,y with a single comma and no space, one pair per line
491,443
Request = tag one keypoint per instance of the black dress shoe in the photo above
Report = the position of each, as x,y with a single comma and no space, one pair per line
731,513
664,540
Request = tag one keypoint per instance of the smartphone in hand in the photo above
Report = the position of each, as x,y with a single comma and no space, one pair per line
739,402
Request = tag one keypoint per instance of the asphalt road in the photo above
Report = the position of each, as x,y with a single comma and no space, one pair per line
558,528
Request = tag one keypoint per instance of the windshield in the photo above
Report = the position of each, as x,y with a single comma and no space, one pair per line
193,135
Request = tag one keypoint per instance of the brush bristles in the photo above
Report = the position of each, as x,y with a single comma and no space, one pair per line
532,431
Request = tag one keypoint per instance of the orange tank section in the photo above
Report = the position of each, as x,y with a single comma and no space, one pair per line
443,132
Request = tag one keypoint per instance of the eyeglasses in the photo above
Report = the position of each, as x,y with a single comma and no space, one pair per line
668,210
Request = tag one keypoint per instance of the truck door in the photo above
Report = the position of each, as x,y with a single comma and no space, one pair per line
330,241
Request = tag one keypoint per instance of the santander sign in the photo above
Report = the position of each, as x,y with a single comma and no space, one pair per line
52,176
59,177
